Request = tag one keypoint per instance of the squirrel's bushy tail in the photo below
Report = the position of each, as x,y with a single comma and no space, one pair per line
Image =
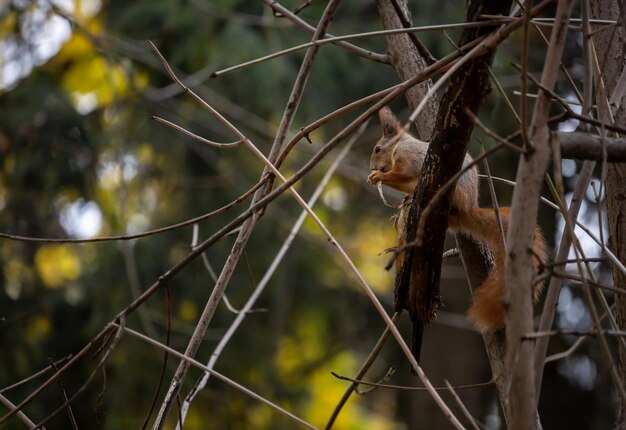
487,310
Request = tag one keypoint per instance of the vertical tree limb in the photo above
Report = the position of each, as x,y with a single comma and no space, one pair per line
586,171
467,89
611,51
407,62
519,259
477,263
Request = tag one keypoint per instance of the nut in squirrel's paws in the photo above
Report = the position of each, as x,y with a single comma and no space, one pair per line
374,177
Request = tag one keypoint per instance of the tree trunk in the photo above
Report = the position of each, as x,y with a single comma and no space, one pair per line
407,61
610,49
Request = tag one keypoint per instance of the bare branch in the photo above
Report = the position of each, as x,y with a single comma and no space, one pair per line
107,349
265,279
35,375
461,405
100,336
217,375
186,223
249,223
408,388
361,372
586,146
300,22
19,414
195,136
519,261
554,288
70,413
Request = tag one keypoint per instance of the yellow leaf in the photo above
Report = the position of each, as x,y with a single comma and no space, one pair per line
57,264
96,76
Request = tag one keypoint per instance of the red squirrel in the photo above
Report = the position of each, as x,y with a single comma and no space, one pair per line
397,162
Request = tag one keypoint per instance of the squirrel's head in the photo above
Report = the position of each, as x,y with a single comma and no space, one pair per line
383,151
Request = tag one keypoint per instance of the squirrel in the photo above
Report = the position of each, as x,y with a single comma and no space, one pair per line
397,160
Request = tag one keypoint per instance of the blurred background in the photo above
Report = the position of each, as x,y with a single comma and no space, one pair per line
80,158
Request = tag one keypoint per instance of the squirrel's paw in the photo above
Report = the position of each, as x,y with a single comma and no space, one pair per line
374,177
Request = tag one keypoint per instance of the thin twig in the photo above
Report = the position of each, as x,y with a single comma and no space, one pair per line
105,356
478,50
569,261
507,100
550,21
390,372
461,405
195,136
134,283
19,414
103,334
36,374
361,372
570,332
168,332
248,226
211,272
380,58
590,282
494,200
523,118
65,399
168,228
409,388
614,260
493,134
573,348
247,308
216,374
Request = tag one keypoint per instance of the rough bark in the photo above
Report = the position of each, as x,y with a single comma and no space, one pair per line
610,49
477,262
407,62
467,88
616,202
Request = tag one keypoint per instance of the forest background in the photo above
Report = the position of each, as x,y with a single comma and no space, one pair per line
81,158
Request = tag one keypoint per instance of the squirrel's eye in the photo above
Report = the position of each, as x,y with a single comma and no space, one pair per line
377,149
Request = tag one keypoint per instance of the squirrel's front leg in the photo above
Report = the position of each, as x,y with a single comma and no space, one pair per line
398,177
375,177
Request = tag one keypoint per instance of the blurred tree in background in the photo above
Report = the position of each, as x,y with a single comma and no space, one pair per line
81,159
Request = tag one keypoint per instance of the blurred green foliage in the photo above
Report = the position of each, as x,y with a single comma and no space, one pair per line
79,157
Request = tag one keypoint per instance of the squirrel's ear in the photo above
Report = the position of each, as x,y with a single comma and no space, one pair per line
389,122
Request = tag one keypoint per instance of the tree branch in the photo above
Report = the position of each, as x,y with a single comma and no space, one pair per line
521,234
418,280
587,146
